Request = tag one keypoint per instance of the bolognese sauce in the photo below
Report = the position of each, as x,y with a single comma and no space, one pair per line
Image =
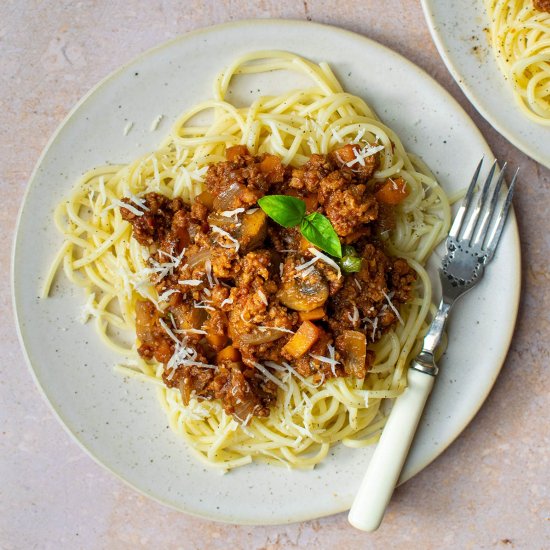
240,295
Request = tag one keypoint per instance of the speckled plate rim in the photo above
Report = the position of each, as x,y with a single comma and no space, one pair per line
408,472
509,127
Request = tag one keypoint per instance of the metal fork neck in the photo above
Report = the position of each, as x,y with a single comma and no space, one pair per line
425,361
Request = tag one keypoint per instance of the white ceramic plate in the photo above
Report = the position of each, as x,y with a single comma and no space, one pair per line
457,30
119,421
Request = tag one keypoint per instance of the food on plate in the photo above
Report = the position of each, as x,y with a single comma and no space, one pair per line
247,297
542,5
269,260
520,38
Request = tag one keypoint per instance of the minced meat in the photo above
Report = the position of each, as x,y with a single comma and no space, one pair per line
232,290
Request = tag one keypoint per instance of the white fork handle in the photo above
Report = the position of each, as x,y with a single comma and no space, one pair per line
383,470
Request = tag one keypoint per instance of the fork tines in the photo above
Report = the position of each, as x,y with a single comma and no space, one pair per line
473,222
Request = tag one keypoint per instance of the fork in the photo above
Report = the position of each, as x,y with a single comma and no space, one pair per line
471,245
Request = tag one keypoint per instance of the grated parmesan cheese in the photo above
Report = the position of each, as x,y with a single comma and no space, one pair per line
169,331
394,309
337,136
208,269
220,231
307,271
307,264
275,366
326,259
198,174
120,204
243,319
263,297
324,359
293,371
330,360
166,294
138,201
265,328
355,317
360,156
202,305
155,123
88,310
190,363
374,327
175,259
270,376
191,331
231,213
190,282
359,136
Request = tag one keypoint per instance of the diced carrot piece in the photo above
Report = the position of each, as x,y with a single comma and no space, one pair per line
253,231
207,199
346,153
183,238
312,315
302,340
272,168
312,202
304,244
229,354
217,341
233,153
393,191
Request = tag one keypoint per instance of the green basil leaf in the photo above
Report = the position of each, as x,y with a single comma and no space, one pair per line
285,210
350,264
319,231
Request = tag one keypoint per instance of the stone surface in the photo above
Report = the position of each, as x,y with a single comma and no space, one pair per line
488,490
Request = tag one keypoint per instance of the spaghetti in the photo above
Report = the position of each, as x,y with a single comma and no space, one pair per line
520,37
99,255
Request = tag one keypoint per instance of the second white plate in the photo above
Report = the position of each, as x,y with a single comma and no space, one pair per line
458,32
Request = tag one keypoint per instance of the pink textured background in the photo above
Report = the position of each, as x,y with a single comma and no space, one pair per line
489,490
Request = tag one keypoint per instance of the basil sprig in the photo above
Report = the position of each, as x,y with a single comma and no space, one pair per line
285,210
316,228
